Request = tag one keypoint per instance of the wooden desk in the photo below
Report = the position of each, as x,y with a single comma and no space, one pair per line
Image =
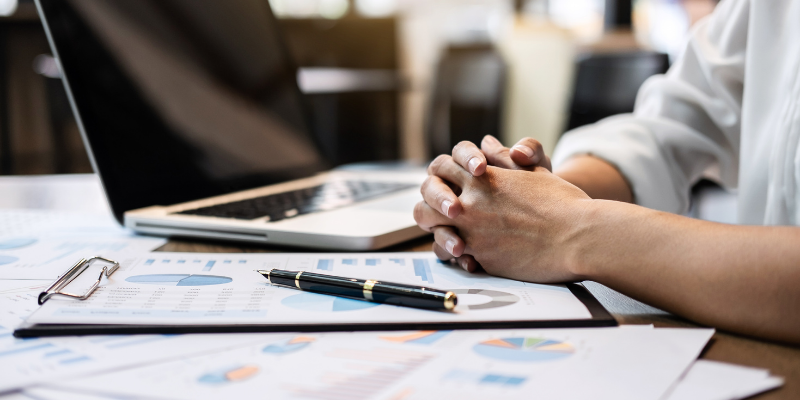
781,360
83,193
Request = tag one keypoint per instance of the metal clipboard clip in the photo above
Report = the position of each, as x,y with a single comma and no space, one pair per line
74,272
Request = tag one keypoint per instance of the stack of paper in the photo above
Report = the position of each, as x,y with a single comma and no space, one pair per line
628,362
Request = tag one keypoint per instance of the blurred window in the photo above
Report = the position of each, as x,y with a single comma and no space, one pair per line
330,9
376,8
7,7
663,24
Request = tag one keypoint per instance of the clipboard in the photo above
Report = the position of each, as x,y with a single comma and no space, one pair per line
600,317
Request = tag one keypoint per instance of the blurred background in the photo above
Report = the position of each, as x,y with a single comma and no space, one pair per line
397,79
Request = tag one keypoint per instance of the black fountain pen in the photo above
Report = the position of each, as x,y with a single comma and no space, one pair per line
377,291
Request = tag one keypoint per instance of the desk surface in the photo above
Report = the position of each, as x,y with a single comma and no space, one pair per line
83,193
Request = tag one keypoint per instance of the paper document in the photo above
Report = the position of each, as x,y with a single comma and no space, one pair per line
27,361
712,380
57,223
614,363
30,257
206,289
43,245
9,286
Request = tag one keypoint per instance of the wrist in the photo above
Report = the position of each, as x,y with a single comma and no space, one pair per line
583,257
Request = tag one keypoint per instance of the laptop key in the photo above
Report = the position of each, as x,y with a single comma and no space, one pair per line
284,205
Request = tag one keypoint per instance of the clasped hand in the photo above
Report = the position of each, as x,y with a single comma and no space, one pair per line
505,211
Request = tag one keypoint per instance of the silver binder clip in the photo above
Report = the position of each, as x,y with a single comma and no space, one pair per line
74,272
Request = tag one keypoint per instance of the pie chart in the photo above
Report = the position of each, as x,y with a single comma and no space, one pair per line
482,299
16,243
288,346
179,280
233,374
7,259
421,337
324,303
522,349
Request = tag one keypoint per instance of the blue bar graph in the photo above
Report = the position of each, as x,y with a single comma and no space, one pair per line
325,265
373,261
350,261
502,380
423,270
209,265
22,349
59,352
149,262
485,379
398,261
75,360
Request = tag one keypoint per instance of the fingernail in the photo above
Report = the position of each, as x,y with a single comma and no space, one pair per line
473,164
524,149
491,139
446,207
464,264
450,245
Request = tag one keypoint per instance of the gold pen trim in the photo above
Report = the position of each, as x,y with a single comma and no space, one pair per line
368,285
450,301
297,279
265,274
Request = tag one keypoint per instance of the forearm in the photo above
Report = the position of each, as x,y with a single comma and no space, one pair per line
599,179
739,278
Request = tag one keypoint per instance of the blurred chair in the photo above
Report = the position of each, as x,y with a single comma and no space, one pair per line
468,97
607,83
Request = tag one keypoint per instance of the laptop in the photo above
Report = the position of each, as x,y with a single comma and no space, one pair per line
192,117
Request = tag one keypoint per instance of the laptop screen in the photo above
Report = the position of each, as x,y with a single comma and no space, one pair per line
181,99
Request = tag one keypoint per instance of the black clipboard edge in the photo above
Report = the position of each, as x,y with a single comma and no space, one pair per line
600,318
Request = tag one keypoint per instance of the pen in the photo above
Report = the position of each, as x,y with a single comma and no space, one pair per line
371,290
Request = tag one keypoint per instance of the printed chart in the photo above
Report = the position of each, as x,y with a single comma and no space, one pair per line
29,257
524,349
421,337
5,260
325,303
179,279
481,299
483,378
288,346
16,243
217,289
228,375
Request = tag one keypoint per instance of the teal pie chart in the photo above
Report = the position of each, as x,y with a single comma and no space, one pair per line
16,243
7,259
179,280
325,303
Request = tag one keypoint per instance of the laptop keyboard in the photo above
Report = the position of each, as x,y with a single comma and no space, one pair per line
328,196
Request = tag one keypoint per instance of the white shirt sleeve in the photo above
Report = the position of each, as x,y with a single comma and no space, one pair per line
685,125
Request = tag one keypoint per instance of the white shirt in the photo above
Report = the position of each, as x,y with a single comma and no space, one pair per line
728,109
